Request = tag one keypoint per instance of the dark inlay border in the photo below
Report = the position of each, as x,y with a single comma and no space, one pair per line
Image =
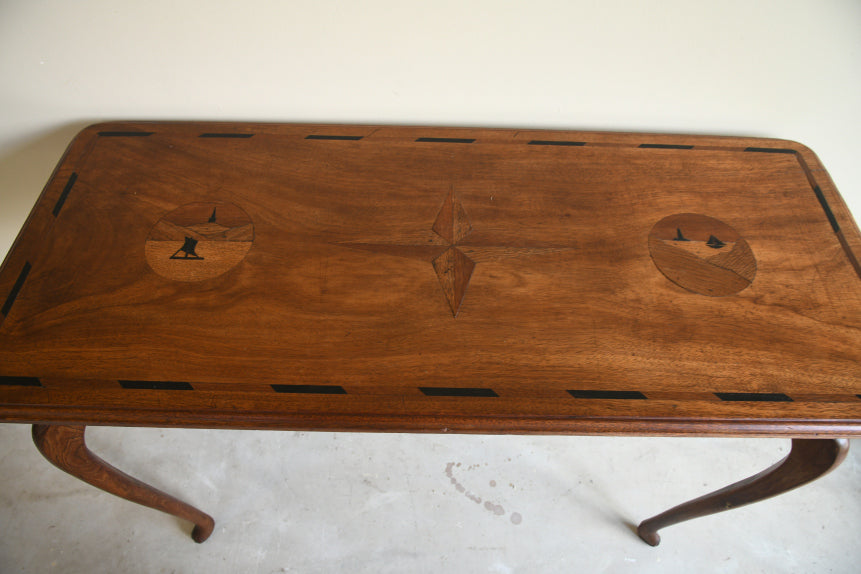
832,220
557,142
157,385
225,135
447,140
457,392
770,150
342,138
13,294
827,208
596,394
125,134
759,397
665,146
65,193
310,389
20,381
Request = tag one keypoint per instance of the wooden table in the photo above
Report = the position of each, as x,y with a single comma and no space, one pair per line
362,278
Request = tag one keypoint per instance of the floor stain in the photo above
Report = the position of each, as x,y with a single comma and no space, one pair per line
490,506
457,485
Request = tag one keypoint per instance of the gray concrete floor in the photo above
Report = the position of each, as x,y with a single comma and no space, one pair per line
330,502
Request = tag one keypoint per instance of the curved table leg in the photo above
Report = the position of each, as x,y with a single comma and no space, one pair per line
807,460
64,447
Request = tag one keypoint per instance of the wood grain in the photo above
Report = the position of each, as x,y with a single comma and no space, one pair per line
65,448
808,460
386,260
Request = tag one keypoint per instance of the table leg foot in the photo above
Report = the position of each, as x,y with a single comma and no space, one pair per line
64,447
808,460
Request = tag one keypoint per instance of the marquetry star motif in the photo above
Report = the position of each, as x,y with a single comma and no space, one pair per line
452,265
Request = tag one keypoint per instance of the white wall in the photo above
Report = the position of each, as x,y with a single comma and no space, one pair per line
776,68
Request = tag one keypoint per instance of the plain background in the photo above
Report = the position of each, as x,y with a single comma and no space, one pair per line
776,68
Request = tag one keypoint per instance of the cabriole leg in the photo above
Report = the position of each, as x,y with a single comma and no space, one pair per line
64,447
807,460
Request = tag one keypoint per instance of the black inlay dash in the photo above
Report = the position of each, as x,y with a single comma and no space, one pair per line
770,150
665,146
20,381
827,208
556,142
13,294
225,135
760,397
310,389
342,138
65,193
859,396
446,140
125,134
457,392
589,394
157,385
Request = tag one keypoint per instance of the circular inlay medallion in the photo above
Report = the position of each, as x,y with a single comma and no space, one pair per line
199,241
702,254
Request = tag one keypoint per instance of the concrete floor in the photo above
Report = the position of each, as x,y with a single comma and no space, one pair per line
330,502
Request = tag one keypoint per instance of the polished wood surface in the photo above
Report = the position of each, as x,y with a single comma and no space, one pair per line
65,448
436,280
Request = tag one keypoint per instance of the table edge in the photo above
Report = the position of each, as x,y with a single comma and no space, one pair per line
431,424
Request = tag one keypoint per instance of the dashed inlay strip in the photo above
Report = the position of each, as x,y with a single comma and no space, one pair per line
65,193
20,381
599,394
333,137
157,385
457,392
130,134
16,288
758,397
226,135
310,389
446,140
665,146
827,208
557,142
431,392
770,150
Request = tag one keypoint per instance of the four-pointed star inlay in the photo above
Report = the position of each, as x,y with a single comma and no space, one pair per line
453,267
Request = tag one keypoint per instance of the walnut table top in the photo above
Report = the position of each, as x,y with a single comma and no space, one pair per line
437,280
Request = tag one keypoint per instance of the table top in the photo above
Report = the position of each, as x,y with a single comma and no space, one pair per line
434,280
